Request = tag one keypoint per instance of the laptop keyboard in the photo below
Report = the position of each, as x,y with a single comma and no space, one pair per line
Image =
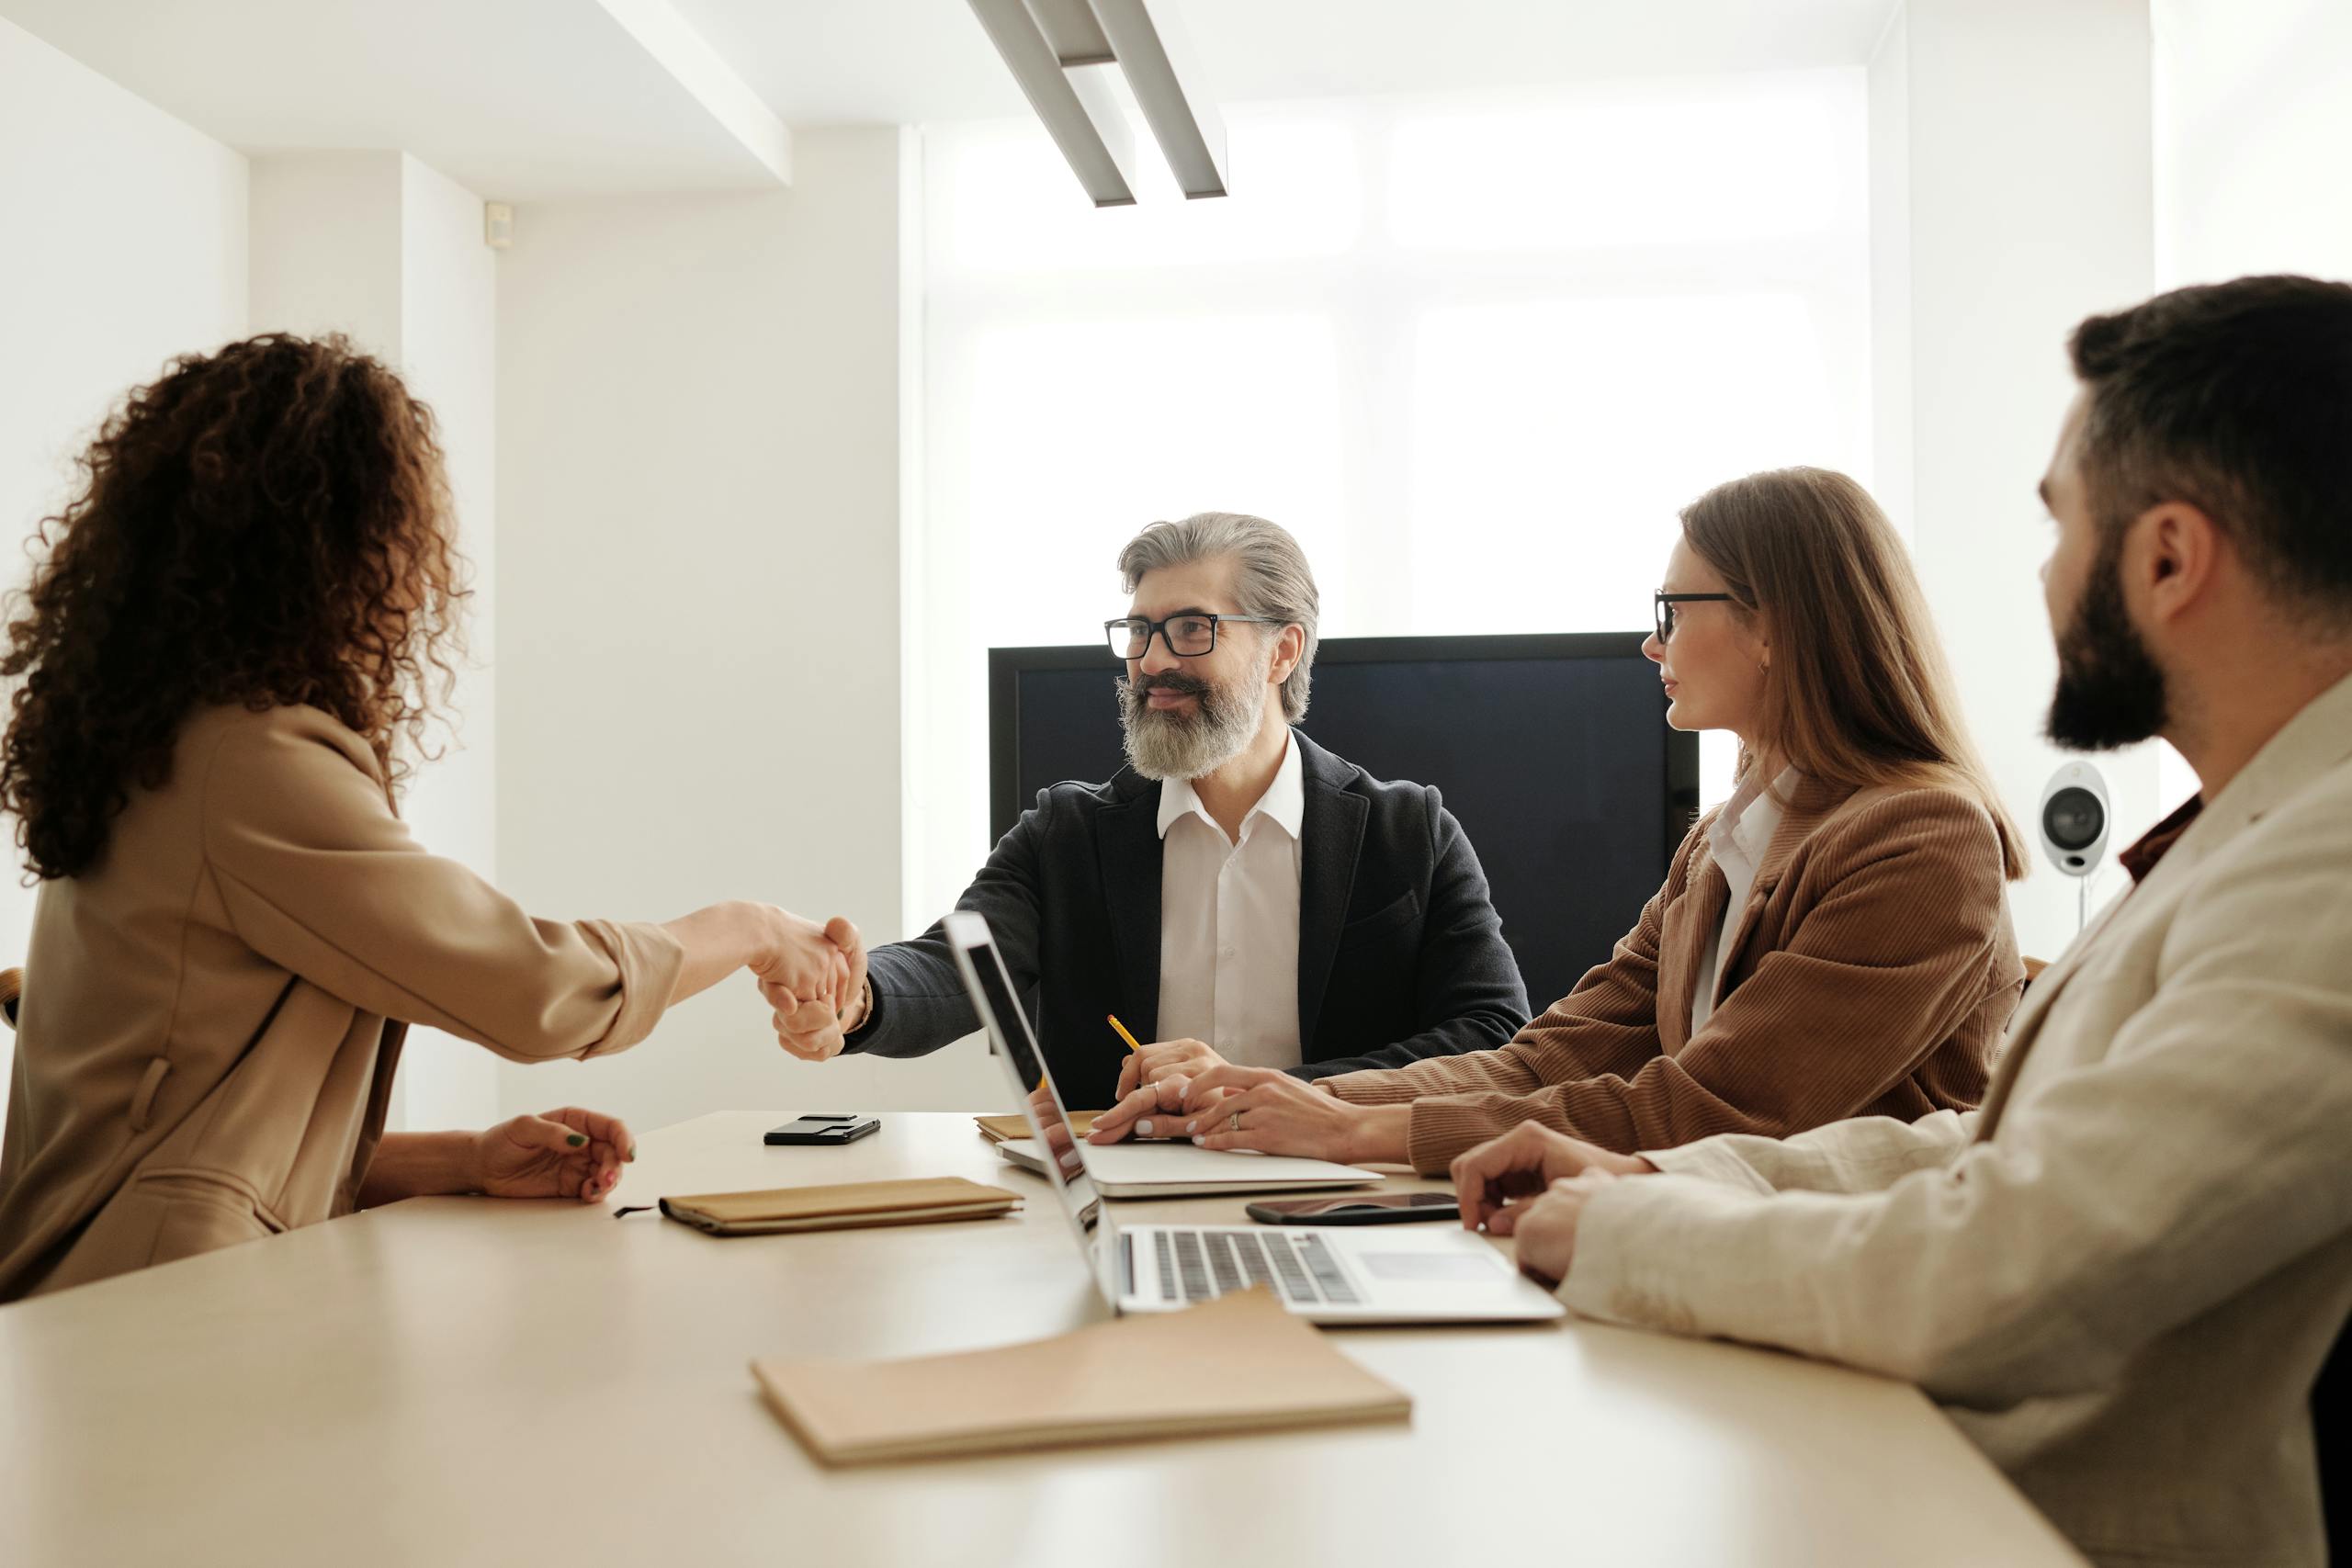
1202,1265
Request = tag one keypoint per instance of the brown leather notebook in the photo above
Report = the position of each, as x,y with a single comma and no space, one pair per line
1004,1129
842,1207
1249,1366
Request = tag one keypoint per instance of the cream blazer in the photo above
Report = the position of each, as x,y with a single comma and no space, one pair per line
2122,1274
213,1015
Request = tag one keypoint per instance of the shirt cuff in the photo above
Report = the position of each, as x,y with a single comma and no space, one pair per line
649,959
1441,1129
1708,1161
1376,1085
1637,1260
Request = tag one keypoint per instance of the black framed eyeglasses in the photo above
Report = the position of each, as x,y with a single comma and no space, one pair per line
1188,635
1662,608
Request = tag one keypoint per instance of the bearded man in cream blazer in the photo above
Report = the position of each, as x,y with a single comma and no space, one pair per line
2123,1275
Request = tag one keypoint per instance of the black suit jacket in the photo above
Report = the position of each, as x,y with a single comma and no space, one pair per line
1401,953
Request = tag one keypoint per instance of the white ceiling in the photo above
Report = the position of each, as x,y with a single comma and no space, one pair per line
831,61
536,99
514,99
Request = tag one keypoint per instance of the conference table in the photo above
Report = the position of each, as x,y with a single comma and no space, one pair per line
469,1381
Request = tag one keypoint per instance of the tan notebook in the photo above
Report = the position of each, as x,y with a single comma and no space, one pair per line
1249,1366
842,1207
1004,1129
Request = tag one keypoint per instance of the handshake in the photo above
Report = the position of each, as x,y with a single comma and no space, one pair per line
814,977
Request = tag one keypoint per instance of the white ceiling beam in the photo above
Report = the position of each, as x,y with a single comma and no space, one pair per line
688,57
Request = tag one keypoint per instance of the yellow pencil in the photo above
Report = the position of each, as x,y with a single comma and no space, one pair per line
1123,1032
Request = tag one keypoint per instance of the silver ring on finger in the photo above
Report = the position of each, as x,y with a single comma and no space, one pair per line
1234,1121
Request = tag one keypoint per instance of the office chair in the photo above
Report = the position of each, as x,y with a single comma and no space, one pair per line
12,987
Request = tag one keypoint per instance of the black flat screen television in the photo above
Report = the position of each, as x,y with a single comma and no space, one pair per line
1553,751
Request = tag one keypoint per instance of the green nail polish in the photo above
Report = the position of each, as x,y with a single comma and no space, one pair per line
575,1140
631,1156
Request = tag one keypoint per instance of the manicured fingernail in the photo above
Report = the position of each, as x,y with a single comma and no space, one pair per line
1198,1140
631,1156
1189,1126
1145,1128
575,1140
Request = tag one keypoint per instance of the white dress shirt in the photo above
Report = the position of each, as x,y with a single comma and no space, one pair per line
1737,840
1229,922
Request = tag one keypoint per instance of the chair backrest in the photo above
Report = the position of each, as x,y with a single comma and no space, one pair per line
12,986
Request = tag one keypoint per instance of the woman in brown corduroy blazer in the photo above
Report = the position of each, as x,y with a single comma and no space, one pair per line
1834,941
224,650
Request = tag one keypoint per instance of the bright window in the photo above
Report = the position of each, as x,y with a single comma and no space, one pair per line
1473,355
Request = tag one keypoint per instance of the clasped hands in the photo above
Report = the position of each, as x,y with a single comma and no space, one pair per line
1183,1089
814,978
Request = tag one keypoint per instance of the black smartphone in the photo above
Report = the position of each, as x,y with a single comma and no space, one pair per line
824,1127
1361,1209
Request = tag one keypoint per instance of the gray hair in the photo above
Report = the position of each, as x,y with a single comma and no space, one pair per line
1273,579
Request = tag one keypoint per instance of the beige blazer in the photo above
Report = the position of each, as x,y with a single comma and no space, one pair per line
213,1015
1871,972
2123,1274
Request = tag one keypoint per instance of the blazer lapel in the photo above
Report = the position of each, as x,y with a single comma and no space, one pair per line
1691,922
1810,805
1332,835
1126,845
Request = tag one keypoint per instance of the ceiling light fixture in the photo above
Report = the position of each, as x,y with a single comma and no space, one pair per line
1052,46
1147,39
1078,113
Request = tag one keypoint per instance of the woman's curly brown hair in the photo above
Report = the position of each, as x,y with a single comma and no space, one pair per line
266,526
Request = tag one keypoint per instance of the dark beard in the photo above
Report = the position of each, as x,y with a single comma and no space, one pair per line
2110,692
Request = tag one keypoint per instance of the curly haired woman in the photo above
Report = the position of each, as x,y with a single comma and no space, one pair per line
233,638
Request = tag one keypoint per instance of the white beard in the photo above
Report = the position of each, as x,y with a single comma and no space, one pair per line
1171,745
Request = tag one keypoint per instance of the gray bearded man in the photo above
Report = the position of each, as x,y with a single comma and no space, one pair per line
1236,893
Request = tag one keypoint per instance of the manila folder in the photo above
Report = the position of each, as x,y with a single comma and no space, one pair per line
1249,1366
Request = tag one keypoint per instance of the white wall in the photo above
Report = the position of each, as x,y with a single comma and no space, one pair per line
2011,158
2253,124
698,501
449,356
387,251
122,243
326,247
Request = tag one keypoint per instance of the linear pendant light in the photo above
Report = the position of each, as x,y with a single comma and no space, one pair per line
1079,113
1148,41
1052,46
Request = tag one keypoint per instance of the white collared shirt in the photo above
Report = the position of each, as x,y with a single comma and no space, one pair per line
1229,922
1737,840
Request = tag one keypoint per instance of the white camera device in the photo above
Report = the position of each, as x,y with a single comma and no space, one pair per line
2075,818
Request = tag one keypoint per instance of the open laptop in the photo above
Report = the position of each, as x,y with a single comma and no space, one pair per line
1392,1274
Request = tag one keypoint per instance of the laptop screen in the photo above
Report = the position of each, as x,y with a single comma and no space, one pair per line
1008,1026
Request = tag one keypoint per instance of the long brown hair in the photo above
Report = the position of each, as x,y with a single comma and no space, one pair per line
1858,692
263,526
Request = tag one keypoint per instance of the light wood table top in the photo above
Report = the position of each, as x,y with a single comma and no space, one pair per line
466,1381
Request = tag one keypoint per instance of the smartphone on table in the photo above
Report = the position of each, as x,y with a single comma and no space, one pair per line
1359,1209
824,1128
